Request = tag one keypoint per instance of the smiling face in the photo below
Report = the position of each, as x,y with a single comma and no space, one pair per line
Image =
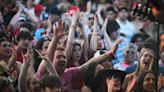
146,60
149,82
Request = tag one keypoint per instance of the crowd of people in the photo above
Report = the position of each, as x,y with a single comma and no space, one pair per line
80,46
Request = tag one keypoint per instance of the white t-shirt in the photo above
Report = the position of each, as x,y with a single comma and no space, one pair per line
127,29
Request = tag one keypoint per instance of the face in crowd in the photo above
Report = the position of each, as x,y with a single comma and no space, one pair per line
146,59
60,60
100,44
34,85
149,82
90,20
76,53
130,53
45,45
116,84
5,49
123,14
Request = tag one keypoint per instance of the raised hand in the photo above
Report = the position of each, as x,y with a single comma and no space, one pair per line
110,84
114,49
27,57
43,55
19,4
105,24
58,29
89,6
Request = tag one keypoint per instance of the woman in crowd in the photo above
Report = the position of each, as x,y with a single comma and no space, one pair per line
146,82
147,57
87,49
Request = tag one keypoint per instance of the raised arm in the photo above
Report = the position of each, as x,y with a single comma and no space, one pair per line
89,3
22,80
86,46
31,16
71,35
14,20
101,58
93,42
58,31
99,17
108,42
49,66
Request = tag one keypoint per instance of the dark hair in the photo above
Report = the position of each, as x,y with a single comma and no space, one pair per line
6,36
124,9
99,81
137,35
28,26
150,44
112,26
81,60
38,46
24,35
50,81
139,86
110,9
55,11
90,74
